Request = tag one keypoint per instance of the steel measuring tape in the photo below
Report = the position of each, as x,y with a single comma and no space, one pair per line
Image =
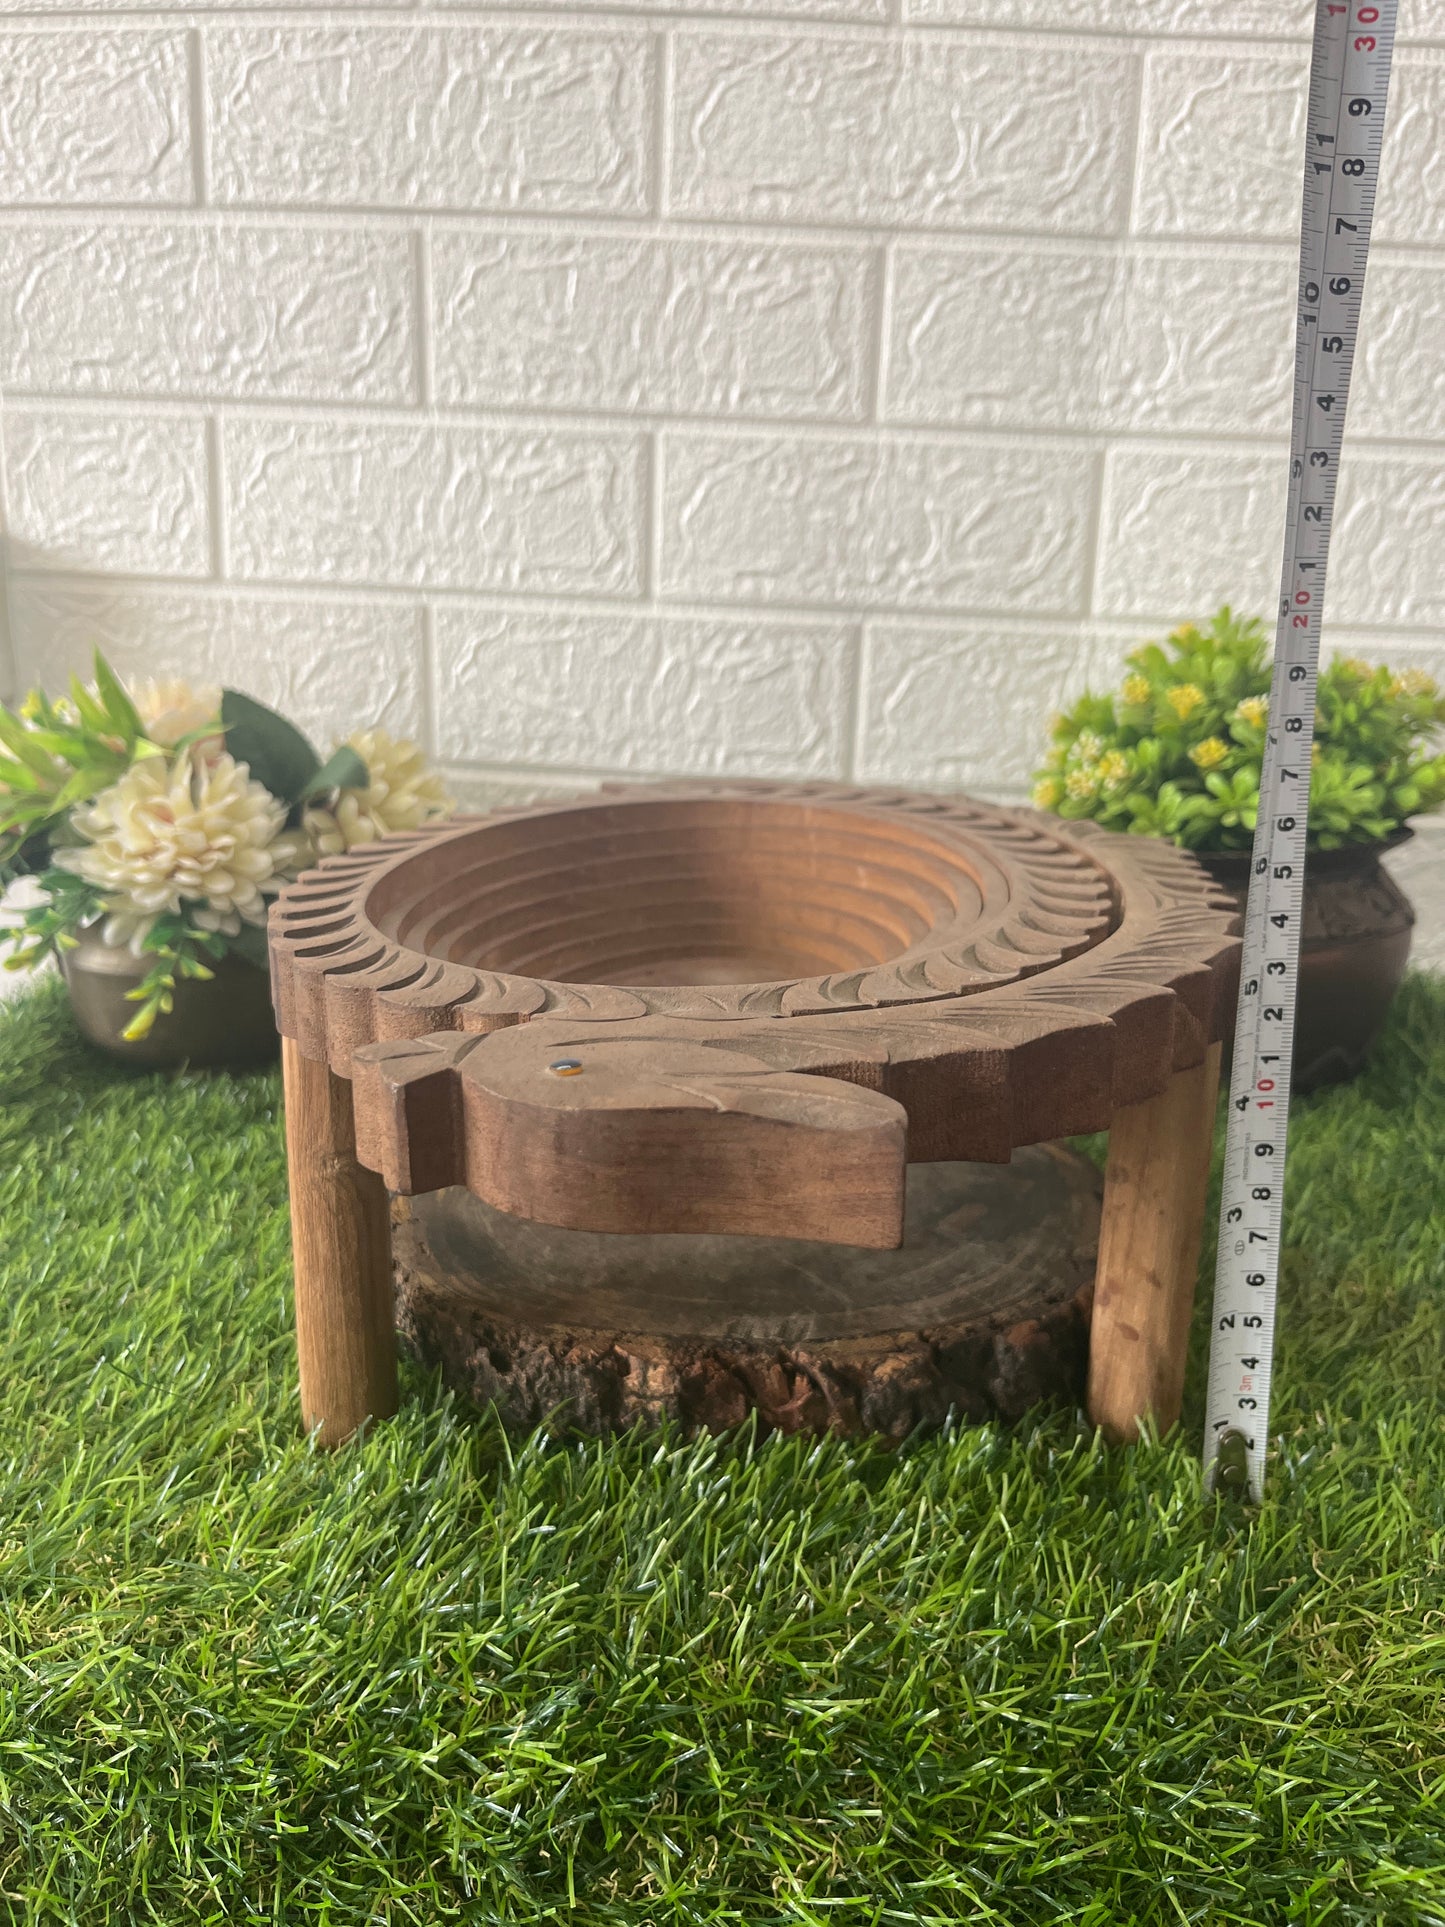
1349,87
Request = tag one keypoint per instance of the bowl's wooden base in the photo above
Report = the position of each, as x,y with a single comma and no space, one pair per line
984,1310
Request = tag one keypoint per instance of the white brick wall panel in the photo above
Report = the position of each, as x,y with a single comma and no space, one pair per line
331,665
690,327
1411,205
1207,343
1184,529
1425,650
9,676
478,791
1266,19
872,12
675,695
125,494
231,311
965,708
1387,560
483,116
1272,18
875,12
1398,389
918,131
843,523
1289,19
556,511
996,146
93,116
989,335
1221,141
1422,20
199,6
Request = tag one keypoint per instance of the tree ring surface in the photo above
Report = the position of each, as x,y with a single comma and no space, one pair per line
983,1309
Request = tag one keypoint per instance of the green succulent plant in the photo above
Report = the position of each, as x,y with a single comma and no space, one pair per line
1176,749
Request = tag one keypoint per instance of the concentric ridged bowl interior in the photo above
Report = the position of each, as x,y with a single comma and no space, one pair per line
683,891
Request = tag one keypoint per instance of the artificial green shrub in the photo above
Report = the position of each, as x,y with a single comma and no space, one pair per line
1176,750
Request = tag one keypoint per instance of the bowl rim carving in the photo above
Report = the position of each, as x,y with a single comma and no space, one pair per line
1122,950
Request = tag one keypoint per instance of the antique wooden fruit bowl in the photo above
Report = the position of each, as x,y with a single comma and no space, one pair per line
739,1008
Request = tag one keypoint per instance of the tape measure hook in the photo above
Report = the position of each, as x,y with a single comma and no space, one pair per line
1229,1472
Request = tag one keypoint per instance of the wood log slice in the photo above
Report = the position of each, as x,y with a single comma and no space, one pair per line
984,1310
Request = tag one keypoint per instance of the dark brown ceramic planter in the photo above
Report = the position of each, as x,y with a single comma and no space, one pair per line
224,1023
1353,950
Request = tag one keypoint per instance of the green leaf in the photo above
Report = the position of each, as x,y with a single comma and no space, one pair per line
84,784
342,770
143,1023
23,812
23,745
38,708
188,741
67,744
17,776
92,712
121,710
275,751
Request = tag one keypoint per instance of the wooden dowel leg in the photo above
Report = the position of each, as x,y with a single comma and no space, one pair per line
341,1236
1154,1190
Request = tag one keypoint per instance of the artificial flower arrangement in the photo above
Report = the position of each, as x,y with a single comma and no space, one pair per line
1177,749
168,815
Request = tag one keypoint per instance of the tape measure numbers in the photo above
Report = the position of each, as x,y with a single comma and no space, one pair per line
1349,87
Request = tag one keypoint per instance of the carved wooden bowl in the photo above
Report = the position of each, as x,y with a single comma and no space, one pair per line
743,1008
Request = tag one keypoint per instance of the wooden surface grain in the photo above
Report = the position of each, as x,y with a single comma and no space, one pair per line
341,1238
1154,1192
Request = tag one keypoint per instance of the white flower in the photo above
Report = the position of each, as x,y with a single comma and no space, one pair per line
184,832
172,709
401,794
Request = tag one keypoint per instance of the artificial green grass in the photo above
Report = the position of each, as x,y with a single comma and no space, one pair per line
997,1675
